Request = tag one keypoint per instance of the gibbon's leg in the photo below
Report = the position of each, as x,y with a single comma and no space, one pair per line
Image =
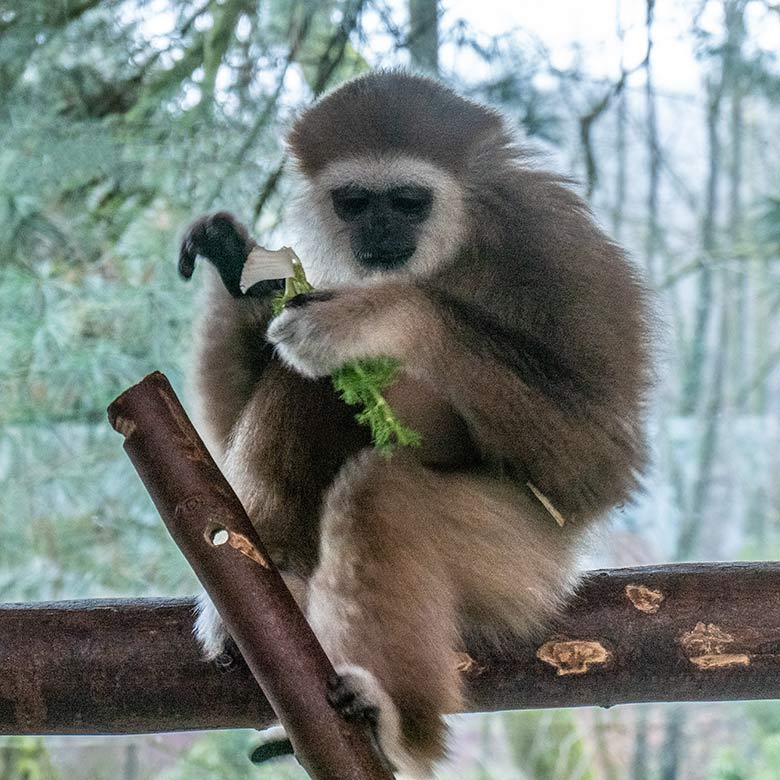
410,556
383,606
284,449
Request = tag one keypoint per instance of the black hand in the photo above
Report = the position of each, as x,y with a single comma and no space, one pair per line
226,244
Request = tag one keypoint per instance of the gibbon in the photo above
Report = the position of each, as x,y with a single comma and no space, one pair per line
524,337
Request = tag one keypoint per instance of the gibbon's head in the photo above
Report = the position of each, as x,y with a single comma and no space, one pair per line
382,161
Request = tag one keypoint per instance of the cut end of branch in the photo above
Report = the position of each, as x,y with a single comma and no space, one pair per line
117,411
124,426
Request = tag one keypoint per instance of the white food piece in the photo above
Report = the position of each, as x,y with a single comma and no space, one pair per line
263,264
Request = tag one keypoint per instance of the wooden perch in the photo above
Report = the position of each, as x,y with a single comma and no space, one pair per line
207,521
685,632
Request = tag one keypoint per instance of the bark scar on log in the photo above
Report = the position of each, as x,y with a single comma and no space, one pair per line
245,547
705,647
644,599
124,426
573,656
189,439
467,665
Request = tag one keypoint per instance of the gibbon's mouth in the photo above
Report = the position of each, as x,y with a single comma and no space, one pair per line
384,260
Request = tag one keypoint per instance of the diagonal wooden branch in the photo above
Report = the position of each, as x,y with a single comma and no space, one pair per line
680,632
208,523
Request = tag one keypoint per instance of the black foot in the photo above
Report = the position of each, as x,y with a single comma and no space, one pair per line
349,701
230,658
226,244
271,749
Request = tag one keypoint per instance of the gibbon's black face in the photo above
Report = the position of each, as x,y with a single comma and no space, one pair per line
384,225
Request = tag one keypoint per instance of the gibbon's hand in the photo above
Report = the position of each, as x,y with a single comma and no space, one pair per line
309,336
226,244
319,332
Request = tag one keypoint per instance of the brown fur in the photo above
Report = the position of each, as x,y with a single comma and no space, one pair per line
382,113
526,357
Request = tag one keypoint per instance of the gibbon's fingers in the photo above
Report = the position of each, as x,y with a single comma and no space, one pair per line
223,241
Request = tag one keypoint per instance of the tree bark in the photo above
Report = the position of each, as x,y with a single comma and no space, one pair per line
124,666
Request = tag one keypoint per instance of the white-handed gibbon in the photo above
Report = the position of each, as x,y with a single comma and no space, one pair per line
523,334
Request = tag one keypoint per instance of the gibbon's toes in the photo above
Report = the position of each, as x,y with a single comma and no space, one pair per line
349,700
228,659
357,695
223,241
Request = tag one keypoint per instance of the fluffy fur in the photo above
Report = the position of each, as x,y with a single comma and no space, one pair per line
523,335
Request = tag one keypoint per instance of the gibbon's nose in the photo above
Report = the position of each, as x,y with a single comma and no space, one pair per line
377,218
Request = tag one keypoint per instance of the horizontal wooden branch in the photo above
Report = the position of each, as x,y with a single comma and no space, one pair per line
686,632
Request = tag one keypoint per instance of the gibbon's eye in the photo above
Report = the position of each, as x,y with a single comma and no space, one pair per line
414,202
350,202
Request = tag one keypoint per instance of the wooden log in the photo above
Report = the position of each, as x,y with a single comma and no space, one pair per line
683,632
210,526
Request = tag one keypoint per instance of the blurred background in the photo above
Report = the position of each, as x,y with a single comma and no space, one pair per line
121,120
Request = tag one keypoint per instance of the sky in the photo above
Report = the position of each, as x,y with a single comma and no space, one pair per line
561,25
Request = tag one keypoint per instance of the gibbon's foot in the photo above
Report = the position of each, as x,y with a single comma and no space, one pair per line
226,244
274,745
357,695
350,701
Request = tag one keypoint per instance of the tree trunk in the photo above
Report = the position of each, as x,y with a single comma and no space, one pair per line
673,742
639,768
621,121
652,239
705,293
423,42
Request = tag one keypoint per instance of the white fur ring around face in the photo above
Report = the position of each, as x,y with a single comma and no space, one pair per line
303,343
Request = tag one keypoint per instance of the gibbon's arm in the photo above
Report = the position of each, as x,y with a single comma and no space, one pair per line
526,411
231,352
